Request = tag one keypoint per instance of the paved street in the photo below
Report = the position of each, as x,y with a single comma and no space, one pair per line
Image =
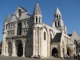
25,58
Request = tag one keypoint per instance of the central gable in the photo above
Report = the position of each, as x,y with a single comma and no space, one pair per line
20,14
20,8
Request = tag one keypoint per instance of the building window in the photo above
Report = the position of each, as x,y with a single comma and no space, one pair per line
75,42
58,23
44,35
19,30
24,31
39,19
51,37
19,10
36,19
57,16
55,24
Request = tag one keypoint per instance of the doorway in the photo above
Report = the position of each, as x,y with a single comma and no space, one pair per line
68,51
20,50
54,52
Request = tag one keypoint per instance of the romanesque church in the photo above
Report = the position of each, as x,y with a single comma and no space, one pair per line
25,35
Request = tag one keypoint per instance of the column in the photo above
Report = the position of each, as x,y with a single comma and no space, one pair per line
13,48
23,49
15,32
6,49
48,44
39,42
3,48
34,41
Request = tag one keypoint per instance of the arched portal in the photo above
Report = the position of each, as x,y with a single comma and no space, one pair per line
9,48
68,51
20,50
54,52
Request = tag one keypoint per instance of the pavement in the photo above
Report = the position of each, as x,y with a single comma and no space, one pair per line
26,58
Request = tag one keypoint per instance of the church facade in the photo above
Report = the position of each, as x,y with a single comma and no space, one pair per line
26,35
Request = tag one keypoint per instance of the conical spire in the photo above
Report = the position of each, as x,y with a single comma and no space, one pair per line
57,11
37,9
7,18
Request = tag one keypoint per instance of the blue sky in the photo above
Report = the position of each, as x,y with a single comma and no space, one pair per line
70,10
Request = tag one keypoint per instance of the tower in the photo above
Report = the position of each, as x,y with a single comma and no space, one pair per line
58,22
37,15
4,35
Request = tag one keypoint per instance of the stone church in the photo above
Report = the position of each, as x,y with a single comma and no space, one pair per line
25,35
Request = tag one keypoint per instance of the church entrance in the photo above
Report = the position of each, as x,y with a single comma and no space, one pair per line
68,51
54,52
20,50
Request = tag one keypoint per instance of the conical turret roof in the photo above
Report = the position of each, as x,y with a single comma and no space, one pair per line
37,9
57,11
7,18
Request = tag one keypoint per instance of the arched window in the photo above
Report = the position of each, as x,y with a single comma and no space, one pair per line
39,19
51,37
58,23
57,16
55,24
75,42
44,35
19,29
19,10
36,19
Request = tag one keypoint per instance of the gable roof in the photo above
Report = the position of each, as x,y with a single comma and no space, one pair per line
75,36
24,14
22,9
57,37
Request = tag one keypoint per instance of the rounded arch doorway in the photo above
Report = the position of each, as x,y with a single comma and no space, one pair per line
54,52
20,50
68,51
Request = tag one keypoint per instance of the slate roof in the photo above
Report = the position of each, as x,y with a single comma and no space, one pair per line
77,45
57,11
37,9
57,38
7,18
70,35
13,19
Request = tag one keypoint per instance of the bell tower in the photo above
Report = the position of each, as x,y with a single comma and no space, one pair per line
37,15
58,22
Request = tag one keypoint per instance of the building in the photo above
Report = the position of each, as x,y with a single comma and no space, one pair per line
0,47
26,35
